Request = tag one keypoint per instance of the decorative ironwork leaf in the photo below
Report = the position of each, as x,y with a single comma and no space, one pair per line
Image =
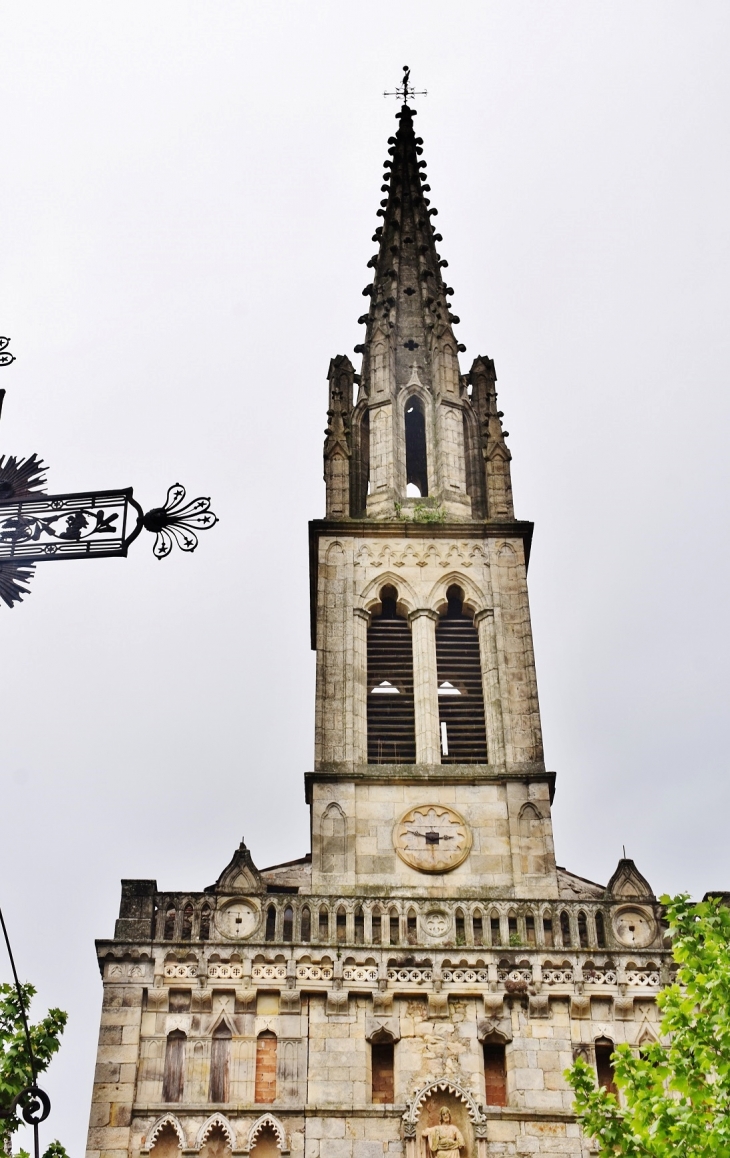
20,477
178,523
13,577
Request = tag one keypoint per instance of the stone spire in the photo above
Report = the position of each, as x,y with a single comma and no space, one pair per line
409,314
420,434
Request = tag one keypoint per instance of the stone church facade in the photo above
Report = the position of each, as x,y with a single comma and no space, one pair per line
419,982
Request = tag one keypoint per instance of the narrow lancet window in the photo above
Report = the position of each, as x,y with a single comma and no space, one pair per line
220,1055
270,933
604,1064
187,923
174,1074
205,923
170,915
460,695
416,457
287,930
306,924
495,1074
382,1059
391,718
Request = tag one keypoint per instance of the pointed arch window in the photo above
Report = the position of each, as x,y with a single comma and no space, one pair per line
306,924
604,1064
341,925
287,931
477,927
495,928
495,1073
270,934
460,927
416,455
600,931
377,926
324,923
565,930
582,931
460,694
547,931
220,1063
170,915
390,705
187,923
412,927
394,927
382,1059
205,923
174,1073
359,926
530,929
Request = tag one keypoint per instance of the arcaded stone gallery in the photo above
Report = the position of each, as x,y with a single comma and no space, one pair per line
420,981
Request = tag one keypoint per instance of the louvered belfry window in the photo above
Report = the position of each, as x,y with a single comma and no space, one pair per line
460,695
391,719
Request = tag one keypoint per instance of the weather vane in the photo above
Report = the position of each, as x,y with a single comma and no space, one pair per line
36,527
405,91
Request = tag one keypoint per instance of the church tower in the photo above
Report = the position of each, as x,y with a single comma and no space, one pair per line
418,983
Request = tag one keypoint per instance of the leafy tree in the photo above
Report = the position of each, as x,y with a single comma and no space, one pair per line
674,1098
15,1066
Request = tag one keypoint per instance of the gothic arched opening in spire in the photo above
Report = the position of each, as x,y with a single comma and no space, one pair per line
416,457
460,695
391,712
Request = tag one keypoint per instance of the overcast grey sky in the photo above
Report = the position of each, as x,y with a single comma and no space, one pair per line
188,196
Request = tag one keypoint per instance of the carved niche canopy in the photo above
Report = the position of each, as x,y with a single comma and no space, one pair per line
432,1089
627,882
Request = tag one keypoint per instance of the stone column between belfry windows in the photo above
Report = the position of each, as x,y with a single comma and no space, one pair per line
425,685
484,623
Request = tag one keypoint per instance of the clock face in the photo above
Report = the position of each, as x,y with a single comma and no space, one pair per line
237,920
634,927
432,838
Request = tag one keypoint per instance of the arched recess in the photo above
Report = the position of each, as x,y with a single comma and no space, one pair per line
475,473
268,1122
433,1089
360,460
460,688
533,850
406,601
220,1122
390,701
333,836
166,1122
473,598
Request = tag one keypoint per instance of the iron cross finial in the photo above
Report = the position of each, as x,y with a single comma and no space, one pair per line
405,90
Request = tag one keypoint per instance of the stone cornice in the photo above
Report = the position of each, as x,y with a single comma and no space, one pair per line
429,774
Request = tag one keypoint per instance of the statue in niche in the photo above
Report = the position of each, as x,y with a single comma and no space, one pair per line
444,1139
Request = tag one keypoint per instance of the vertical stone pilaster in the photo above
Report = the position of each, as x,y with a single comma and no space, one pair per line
116,1071
360,685
452,460
382,461
425,685
484,622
